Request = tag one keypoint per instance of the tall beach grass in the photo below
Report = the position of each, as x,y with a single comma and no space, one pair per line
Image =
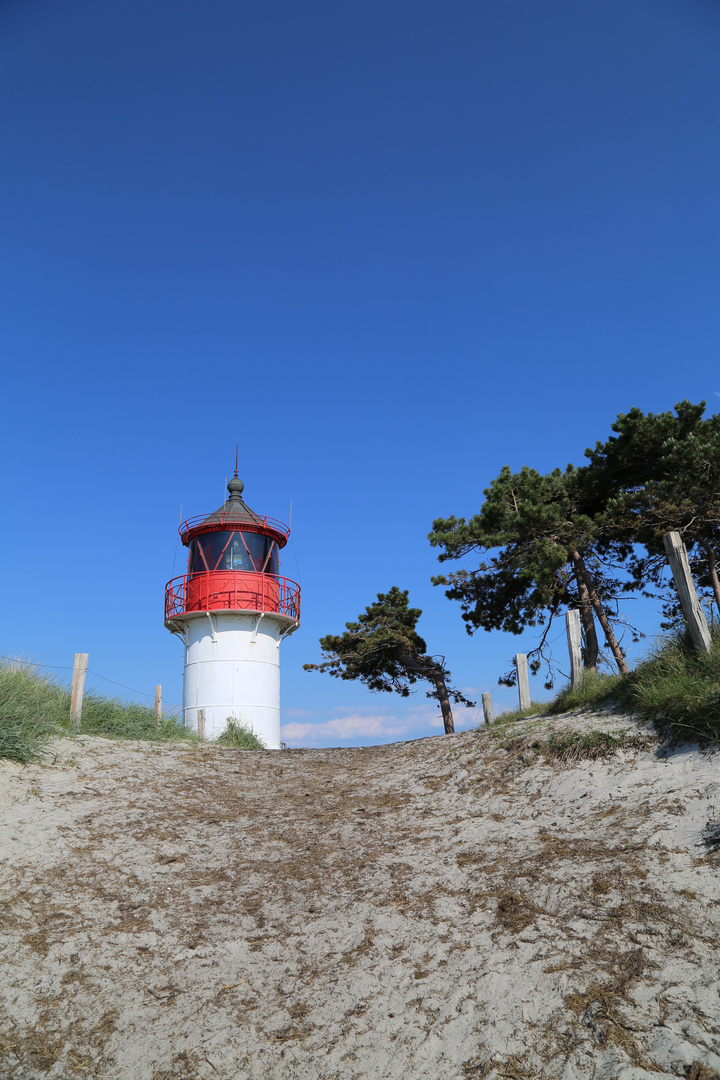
35,708
240,736
676,687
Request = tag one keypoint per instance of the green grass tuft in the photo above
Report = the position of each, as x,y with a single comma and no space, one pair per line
577,744
678,688
31,711
240,736
596,691
511,716
115,719
35,708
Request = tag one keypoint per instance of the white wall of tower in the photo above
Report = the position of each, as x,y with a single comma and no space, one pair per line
232,669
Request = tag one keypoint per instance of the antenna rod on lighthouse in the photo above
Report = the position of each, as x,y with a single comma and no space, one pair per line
237,444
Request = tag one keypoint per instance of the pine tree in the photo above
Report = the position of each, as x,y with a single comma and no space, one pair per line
661,472
541,539
384,650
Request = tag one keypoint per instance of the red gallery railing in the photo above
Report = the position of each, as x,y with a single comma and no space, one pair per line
220,521
232,590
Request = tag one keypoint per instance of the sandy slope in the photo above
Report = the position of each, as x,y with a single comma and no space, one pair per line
450,908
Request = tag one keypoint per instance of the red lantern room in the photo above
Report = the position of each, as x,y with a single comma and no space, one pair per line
233,564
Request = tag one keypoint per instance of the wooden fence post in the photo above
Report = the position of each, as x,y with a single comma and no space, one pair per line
687,594
80,664
201,723
574,640
158,705
522,680
487,708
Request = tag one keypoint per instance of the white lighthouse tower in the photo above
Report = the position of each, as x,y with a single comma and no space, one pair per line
232,610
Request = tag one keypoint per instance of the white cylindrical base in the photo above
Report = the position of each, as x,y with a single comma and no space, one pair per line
232,670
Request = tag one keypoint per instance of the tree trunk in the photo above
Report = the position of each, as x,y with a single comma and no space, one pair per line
442,695
612,641
434,674
712,569
591,650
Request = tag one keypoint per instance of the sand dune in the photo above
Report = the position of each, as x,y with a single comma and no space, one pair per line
456,907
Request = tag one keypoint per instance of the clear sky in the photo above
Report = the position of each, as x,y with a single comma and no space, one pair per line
390,246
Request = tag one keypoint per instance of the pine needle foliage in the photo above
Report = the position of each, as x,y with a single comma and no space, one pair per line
521,533
660,472
541,549
584,537
383,649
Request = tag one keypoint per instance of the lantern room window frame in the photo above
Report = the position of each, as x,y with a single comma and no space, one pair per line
195,545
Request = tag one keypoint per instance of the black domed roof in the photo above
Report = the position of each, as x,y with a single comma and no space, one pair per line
235,511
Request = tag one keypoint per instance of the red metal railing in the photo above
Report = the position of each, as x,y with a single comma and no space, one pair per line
232,590
220,521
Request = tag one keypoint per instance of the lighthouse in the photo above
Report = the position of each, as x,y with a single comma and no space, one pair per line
232,610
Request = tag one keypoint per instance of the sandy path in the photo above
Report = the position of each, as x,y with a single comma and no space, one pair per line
450,908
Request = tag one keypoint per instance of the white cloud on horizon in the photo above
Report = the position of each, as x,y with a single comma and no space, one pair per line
361,726
346,727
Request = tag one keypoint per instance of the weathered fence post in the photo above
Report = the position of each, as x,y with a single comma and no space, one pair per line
158,705
687,594
80,664
201,723
487,708
574,640
522,680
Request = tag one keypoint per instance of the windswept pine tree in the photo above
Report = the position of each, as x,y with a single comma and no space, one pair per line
384,650
584,536
542,549
661,472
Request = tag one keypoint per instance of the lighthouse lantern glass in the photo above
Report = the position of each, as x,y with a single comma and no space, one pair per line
233,550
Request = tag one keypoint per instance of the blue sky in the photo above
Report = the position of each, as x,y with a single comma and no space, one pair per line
389,246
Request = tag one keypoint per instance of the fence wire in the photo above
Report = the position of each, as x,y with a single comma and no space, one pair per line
69,667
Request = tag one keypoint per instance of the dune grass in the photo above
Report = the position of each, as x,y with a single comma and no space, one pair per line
240,736
511,716
115,719
35,708
597,691
676,687
31,711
